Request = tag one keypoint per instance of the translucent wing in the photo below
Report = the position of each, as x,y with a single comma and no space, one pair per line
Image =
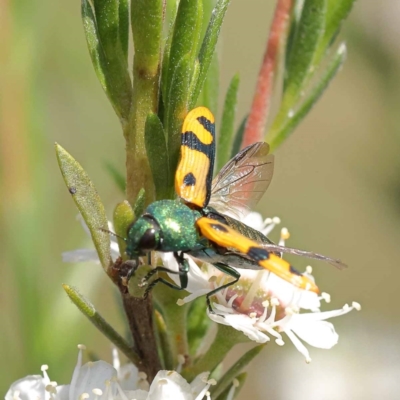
242,181
303,253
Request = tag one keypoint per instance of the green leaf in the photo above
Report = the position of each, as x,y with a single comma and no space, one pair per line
123,217
303,48
88,309
224,145
337,11
95,50
124,27
208,46
88,202
177,107
166,53
192,87
163,344
209,94
278,133
293,26
157,152
117,176
237,140
236,386
107,18
225,339
140,203
197,325
226,380
147,21
111,67
185,39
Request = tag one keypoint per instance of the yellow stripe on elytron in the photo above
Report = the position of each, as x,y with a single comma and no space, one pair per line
191,124
225,236
198,164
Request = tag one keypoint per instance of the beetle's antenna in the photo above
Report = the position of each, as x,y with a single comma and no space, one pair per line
113,234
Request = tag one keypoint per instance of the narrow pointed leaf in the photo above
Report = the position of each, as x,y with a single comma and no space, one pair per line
238,139
147,21
140,203
233,391
177,107
95,50
210,41
228,377
88,202
107,18
185,38
192,87
166,53
146,24
111,69
278,133
197,325
304,45
157,152
117,176
123,11
209,94
88,309
163,342
224,145
122,218
337,11
225,339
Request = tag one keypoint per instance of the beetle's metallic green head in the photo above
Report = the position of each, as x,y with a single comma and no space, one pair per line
144,235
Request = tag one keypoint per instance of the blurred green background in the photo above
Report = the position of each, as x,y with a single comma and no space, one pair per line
336,187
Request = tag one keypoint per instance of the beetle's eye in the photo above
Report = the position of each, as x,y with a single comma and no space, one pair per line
148,240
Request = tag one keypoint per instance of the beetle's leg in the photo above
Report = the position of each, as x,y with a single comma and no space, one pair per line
183,275
226,269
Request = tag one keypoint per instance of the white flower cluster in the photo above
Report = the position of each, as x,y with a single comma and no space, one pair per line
261,304
101,381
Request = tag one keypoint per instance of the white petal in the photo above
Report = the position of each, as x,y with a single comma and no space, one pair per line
197,280
169,385
63,392
80,255
128,376
91,376
32,387
198,383
319,334
240,322
137,394
254,220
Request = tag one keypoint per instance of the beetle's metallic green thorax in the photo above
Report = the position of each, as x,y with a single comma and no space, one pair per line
173,225
177,223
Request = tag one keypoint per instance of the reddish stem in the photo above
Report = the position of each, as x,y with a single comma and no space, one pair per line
257,120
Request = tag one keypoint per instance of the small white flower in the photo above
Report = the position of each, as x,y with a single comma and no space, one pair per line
84,255
102,381
261,304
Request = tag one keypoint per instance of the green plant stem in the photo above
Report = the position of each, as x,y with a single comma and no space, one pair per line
234,371
145,101
146,20
225,339
175,320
